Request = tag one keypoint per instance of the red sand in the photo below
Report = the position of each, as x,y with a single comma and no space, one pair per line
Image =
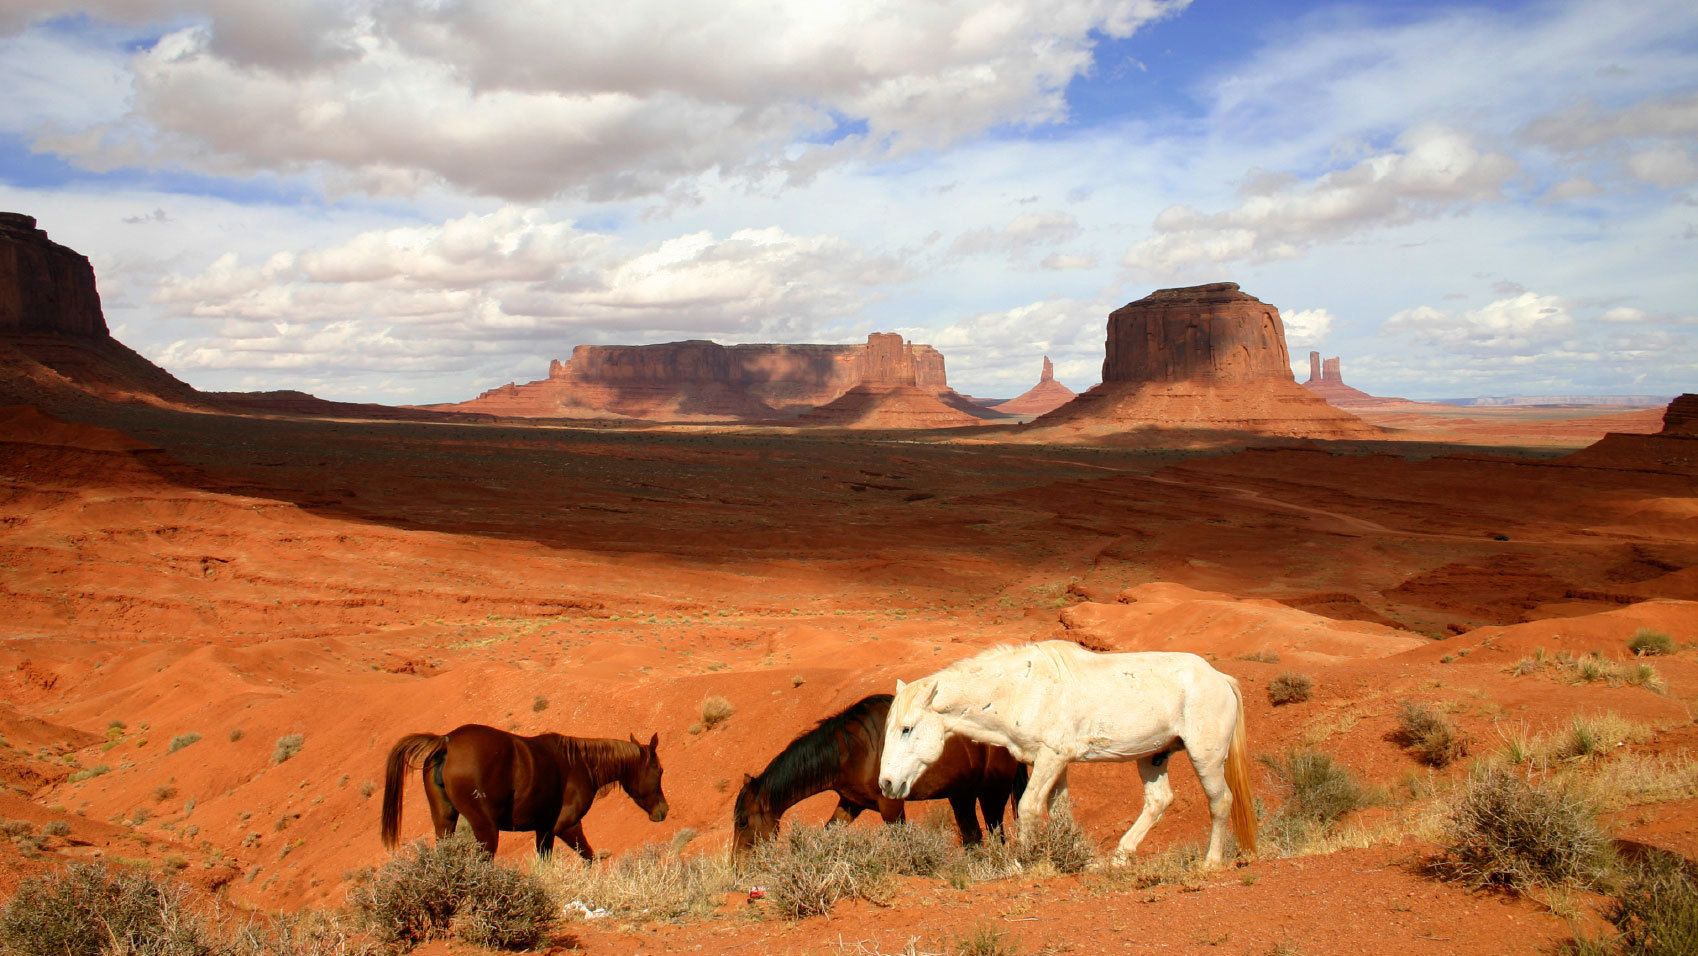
351,582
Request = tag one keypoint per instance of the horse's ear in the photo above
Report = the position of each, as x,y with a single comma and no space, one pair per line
633,738
900,685
654,741
933,695
748,778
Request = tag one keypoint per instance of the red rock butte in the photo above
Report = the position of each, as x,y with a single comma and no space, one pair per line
1042,398
1205,358
1674,450
897,390
1327,381
700,380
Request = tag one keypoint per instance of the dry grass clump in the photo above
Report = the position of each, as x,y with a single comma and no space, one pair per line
180,741
89,910
1657,911
1648,643
1318,792
307,933
453,890
715,710
287,747
1429,735
984,940
1290,688
1056,842
807,869
1591,668
655,882
1506,830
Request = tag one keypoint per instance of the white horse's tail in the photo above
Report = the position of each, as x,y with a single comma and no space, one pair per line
1238,779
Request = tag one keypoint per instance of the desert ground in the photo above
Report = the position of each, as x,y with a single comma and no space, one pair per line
243,578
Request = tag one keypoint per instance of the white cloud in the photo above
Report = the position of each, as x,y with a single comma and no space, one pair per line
1024,233
1520,326
1434,171
528,99
1666,166
1306,328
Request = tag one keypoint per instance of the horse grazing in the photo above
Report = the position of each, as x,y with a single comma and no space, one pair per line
1054,702
841,754
502,781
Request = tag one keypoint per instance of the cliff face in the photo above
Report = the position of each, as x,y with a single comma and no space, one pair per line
1199,360
45,287
1207,333
1682,416
706,381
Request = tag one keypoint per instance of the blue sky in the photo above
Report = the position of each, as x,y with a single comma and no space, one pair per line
413,201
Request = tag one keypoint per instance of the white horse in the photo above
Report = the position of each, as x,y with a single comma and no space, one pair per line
1054,702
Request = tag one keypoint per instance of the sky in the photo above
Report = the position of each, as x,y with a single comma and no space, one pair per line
413,201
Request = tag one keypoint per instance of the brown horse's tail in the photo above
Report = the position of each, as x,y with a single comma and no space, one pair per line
409,751
1238,780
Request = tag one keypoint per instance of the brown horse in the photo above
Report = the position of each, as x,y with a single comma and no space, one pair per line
841,754
502,781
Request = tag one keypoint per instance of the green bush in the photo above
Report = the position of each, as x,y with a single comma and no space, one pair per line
1648,643
454,889
1657,911
180,741
1505,830
88,910
1290,688
1318,792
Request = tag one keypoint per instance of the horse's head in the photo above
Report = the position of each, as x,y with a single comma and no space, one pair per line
914,735
641,780
752,819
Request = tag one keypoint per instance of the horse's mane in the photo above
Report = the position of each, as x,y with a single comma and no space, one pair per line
605,759
815,757
1051,656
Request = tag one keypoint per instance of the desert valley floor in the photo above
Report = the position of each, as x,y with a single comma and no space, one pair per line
244,578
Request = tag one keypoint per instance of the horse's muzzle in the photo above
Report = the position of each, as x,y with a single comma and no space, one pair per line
658,813
892,789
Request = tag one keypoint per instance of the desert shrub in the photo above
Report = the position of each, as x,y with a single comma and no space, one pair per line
1056,841
1290,688
1505,830
539,704
1592,668
1593,735
807,869
56,828
984,940
163,792
288,746
656,882
1260,657
1318,791
1657,911
88,773
453,889
1429,735
716,710
307,933
236,734
88,910
180,741
1648,643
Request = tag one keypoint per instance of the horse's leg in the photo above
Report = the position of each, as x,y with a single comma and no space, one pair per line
1046,771
846,812
483,826
1211,770
993,803
545,843
443,817
1158,793
966,818
1059,791
574,837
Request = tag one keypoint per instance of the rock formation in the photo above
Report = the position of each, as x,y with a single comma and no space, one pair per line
1674,450
1042,398
45,287
1327,381
1201,359
897,390
705,381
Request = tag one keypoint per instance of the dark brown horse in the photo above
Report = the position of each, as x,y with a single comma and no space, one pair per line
841,754
501,781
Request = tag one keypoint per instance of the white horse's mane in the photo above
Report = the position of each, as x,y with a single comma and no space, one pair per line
1052,656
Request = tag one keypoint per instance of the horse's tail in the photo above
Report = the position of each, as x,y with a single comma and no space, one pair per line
409,751
1238,779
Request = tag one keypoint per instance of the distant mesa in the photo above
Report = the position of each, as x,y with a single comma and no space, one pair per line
1205,358
704,381
1042,398
1674,450
1327,381
899,388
